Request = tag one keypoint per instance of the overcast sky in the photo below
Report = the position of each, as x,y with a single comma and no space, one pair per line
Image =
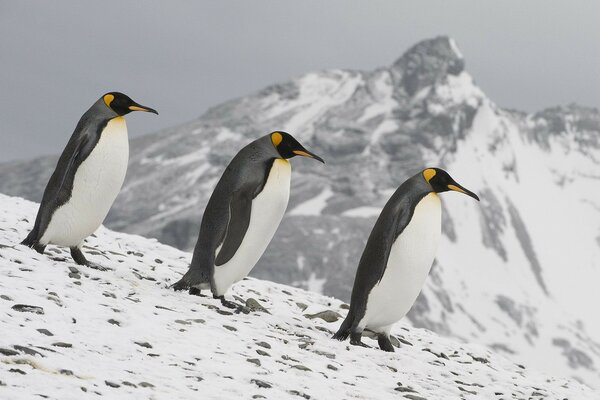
180,57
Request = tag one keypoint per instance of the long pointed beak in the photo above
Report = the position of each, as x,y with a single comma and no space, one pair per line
139,107
306,153
458,188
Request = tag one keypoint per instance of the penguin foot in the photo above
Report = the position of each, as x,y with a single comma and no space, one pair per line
233,305
355,340
194,291
95,266
385,343
80,259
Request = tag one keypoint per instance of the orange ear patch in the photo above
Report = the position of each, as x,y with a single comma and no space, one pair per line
428,174
108,98
276,138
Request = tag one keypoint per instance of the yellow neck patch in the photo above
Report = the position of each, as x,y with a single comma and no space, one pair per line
428,174
276,138
108,98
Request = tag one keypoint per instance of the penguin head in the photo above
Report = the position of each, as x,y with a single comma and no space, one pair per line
288,147
441,181
122,104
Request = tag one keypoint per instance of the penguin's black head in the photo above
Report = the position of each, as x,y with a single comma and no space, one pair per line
441,181
288,147
122,104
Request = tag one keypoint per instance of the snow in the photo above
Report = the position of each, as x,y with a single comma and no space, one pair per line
362,212
122,334
315,205
455,48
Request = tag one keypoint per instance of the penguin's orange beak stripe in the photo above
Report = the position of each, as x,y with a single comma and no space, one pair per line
456,189
303,153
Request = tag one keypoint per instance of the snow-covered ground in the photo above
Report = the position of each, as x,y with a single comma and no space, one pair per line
68,332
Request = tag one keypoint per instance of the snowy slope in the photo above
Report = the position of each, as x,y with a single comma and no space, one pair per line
517,272
73,333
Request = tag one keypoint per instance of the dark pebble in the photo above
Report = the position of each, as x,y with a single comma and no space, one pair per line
263,353
261,384
28,351
300,394
327,316
114,322
28,308
112,384
414,397
8,352
254,361
332,367
264,344
301,367
66,372
18,371
144,344
62,344
146,384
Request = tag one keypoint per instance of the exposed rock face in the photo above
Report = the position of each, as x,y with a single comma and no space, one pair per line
533,239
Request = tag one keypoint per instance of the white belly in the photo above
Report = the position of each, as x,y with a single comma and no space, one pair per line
266,214
409,264
96,184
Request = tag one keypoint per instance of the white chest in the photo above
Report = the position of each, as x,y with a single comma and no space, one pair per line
96,184
409,263
266,214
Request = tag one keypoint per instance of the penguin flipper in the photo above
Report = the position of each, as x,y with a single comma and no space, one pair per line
240,207
58,189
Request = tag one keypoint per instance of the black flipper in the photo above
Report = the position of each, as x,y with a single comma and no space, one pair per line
239,220
58,190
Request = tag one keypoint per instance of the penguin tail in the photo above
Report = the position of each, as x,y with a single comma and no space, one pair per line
32,242
344,331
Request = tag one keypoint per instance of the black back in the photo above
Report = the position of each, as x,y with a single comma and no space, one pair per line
227,215
394,217
82,142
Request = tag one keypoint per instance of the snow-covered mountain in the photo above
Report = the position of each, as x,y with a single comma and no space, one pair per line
517,272
69,332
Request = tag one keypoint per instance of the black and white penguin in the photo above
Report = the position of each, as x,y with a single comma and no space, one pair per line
398,256
242,214
87,178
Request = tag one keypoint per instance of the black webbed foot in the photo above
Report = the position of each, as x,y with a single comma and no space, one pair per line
355,340
233,305
80,259
385,343
194,291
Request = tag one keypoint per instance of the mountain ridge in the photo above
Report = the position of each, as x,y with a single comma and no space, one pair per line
515,272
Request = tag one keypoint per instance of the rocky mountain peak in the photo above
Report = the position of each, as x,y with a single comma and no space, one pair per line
427,62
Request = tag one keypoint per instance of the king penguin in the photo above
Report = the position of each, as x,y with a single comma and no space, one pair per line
87,178
242,215
398,256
